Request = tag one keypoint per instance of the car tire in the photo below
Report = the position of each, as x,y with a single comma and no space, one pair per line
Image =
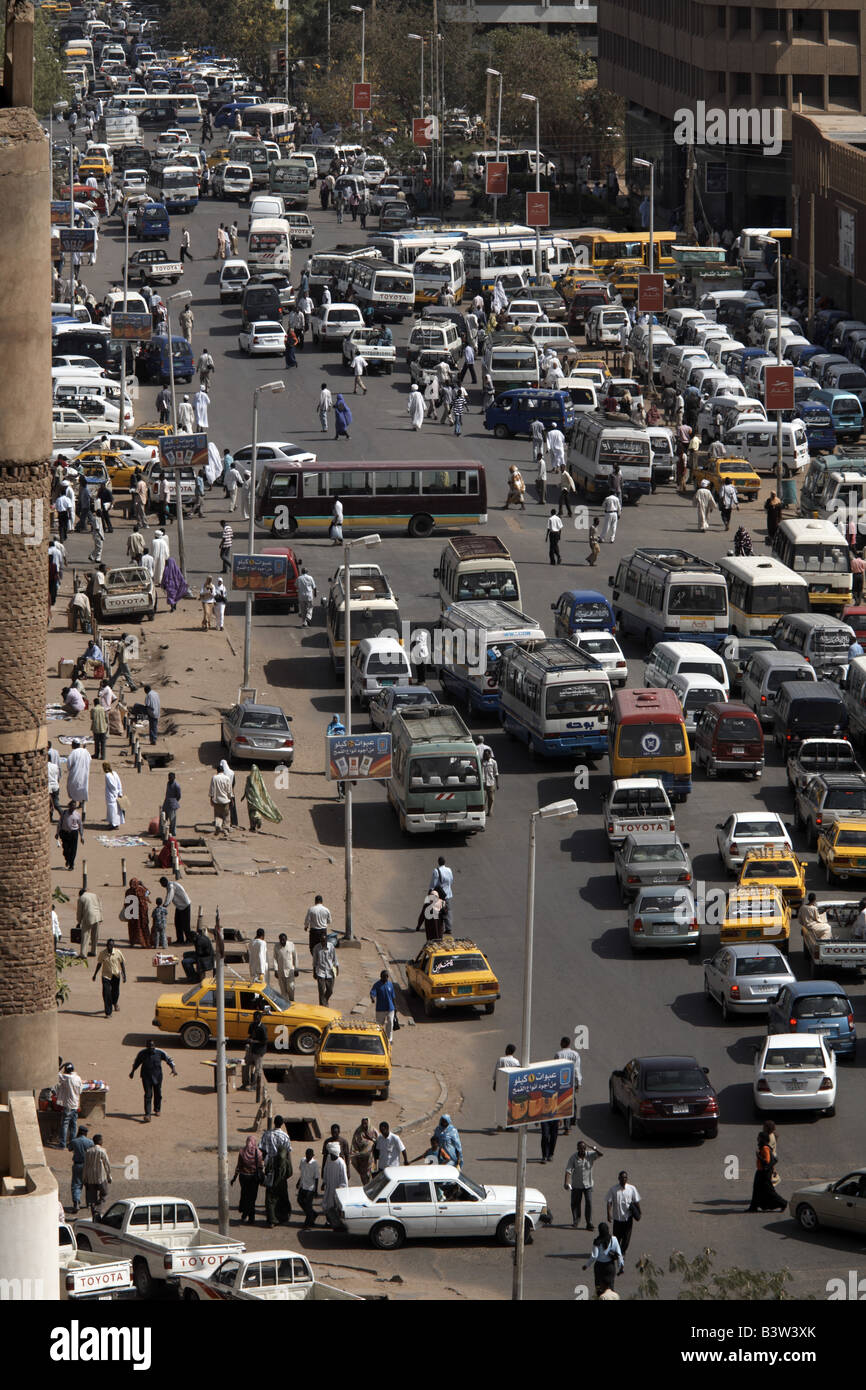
632,1126
612,1105
506,1231
489,1008
502,432
421,526
830,876
805,1214
829,1112
712,1132
195,1035
708,994
190,1296
429,1011
387,1235
726,1012
142,1279
305,1041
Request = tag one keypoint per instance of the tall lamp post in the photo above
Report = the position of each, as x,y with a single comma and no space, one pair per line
347,707
494,72
421,40
356,9
648,164
184,295
556,810
275,387
527,96
774,241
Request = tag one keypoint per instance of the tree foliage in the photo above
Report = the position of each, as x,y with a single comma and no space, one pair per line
700,1283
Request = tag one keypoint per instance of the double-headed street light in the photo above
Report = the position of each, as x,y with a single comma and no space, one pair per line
357,9
494,72
774,241
178,502
373,539
555,810
528,96
275,387
648,164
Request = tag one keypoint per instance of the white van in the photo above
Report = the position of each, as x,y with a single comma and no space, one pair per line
270,246
604,324
756,441
765,672
693,693
717,346
266,205
639,344
70,388
437,270
584,396
378,662
753,377
670,659
691,358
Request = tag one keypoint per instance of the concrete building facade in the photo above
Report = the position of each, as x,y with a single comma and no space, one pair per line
551,17
829,207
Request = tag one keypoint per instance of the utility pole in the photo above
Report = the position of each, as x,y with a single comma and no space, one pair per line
810,297
222,1118
689,229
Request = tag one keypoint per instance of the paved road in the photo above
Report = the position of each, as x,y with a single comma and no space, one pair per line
584,973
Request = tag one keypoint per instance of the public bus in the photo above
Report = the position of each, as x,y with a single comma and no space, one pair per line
388,290
487,257
414,497
555,698
471,667
403,248
598,248
156,108
291,179
373,611
665,595
437,270
760,591
597,444
326,266
274,119
817,551
647,738
270,245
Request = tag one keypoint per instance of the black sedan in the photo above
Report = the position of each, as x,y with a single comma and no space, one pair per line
665,1095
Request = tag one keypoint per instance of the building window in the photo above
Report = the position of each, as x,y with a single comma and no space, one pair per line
809,89
844,25
809,24
845,92
772,22
742,84
742,18
722,16
773,87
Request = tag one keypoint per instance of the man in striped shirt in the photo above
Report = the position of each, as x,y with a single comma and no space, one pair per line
226,548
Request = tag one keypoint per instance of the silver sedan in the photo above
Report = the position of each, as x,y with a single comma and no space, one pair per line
746,977
258,734
663,918
656,858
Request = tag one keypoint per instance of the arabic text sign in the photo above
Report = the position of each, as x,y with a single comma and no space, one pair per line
425,129
77,239
362,96
183,450
779,388
131,327
544,1091
496,177
358,756
650,293
538,209
259,574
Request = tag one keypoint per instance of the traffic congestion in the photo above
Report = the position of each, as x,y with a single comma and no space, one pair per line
233,278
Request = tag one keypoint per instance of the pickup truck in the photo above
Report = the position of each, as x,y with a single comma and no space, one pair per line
272,1275
161,1236
826,797
821,755
838,949
127,592
379,354
151,265
84,1275
635,806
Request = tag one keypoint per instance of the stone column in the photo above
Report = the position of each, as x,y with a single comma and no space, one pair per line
28,1017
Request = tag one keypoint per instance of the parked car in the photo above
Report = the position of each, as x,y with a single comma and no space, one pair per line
258,733
194,1015
665,1095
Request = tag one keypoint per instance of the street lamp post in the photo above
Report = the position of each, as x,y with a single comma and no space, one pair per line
275,387
347,708
181,552
494,72
420,38
356,9
774,241
527,96
556,810
648,164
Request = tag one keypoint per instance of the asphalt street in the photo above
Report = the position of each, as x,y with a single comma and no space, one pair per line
694,1194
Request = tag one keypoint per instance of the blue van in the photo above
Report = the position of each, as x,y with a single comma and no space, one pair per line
820,433
846,413
740,360
582,610
821,324
226,114
152,361
151,222
815,1006
514,411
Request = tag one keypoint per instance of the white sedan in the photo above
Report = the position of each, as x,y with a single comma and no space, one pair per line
422,1200
604,649
745,830
131,449
524,311
263,338
274,451
795,1071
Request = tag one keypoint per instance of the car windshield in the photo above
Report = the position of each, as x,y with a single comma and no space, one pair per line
591,612
354,1042
656,854
793,1059
599,646
760,965
569,701
651,741
660,903
696,699
851,839
275,999
822,1006
697,598
458,965
752,828
443,771
770,868
674,1079
385,665
701,668
263,719
745,907
480,584
640,802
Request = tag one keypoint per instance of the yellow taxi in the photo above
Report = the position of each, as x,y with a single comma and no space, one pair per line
95,166
221,155
728,470
120,468
578,278
449,974
842,849
756,914
290,1027
151,434
774,866
583,363
622,279
353,1057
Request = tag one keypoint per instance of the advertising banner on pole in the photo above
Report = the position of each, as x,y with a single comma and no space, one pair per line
425,129
183,450
538,209
496,178
530,1095
358,757
650,293
779,387
259,574
77,239
362,96
132,328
